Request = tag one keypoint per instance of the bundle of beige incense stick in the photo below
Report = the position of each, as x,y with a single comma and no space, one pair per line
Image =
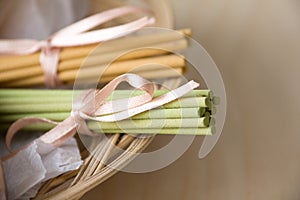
149,54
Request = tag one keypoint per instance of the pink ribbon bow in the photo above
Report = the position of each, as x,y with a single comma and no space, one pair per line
75,35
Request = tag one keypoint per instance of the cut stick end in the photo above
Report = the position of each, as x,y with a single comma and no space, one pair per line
202,111
213,130
212,121
213,110
206,121
216,100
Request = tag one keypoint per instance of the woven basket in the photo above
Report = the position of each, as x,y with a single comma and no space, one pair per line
73,185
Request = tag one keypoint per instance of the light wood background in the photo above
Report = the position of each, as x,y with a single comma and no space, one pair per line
256,45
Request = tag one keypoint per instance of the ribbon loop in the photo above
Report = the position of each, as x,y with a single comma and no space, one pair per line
75,35
98,19
21,123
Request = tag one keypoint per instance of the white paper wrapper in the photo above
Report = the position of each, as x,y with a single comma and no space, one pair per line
39,162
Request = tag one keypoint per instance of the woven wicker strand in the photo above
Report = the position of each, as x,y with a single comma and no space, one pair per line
80,188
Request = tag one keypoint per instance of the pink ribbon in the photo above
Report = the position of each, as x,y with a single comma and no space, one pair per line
92,103
76,34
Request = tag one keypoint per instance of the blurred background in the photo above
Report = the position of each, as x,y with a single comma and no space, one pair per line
256,45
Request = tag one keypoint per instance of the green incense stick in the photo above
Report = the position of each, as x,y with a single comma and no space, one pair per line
216,100
6,96
35,108
151,123
212,110
152,114
212,121
56,116
6,93
34,99
188,102
137,124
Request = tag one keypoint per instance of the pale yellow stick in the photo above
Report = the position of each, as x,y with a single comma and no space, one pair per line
114,68
94,59
166,73
39,80
152,63
151,50
14,62
136,41
163,73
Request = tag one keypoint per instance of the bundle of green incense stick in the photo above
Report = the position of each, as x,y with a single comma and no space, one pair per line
190,114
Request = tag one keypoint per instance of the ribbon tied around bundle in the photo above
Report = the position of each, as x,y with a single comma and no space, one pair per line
76,34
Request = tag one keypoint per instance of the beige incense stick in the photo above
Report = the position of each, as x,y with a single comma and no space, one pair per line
131,42
149,74
152,63
94,59
162,73
114,68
